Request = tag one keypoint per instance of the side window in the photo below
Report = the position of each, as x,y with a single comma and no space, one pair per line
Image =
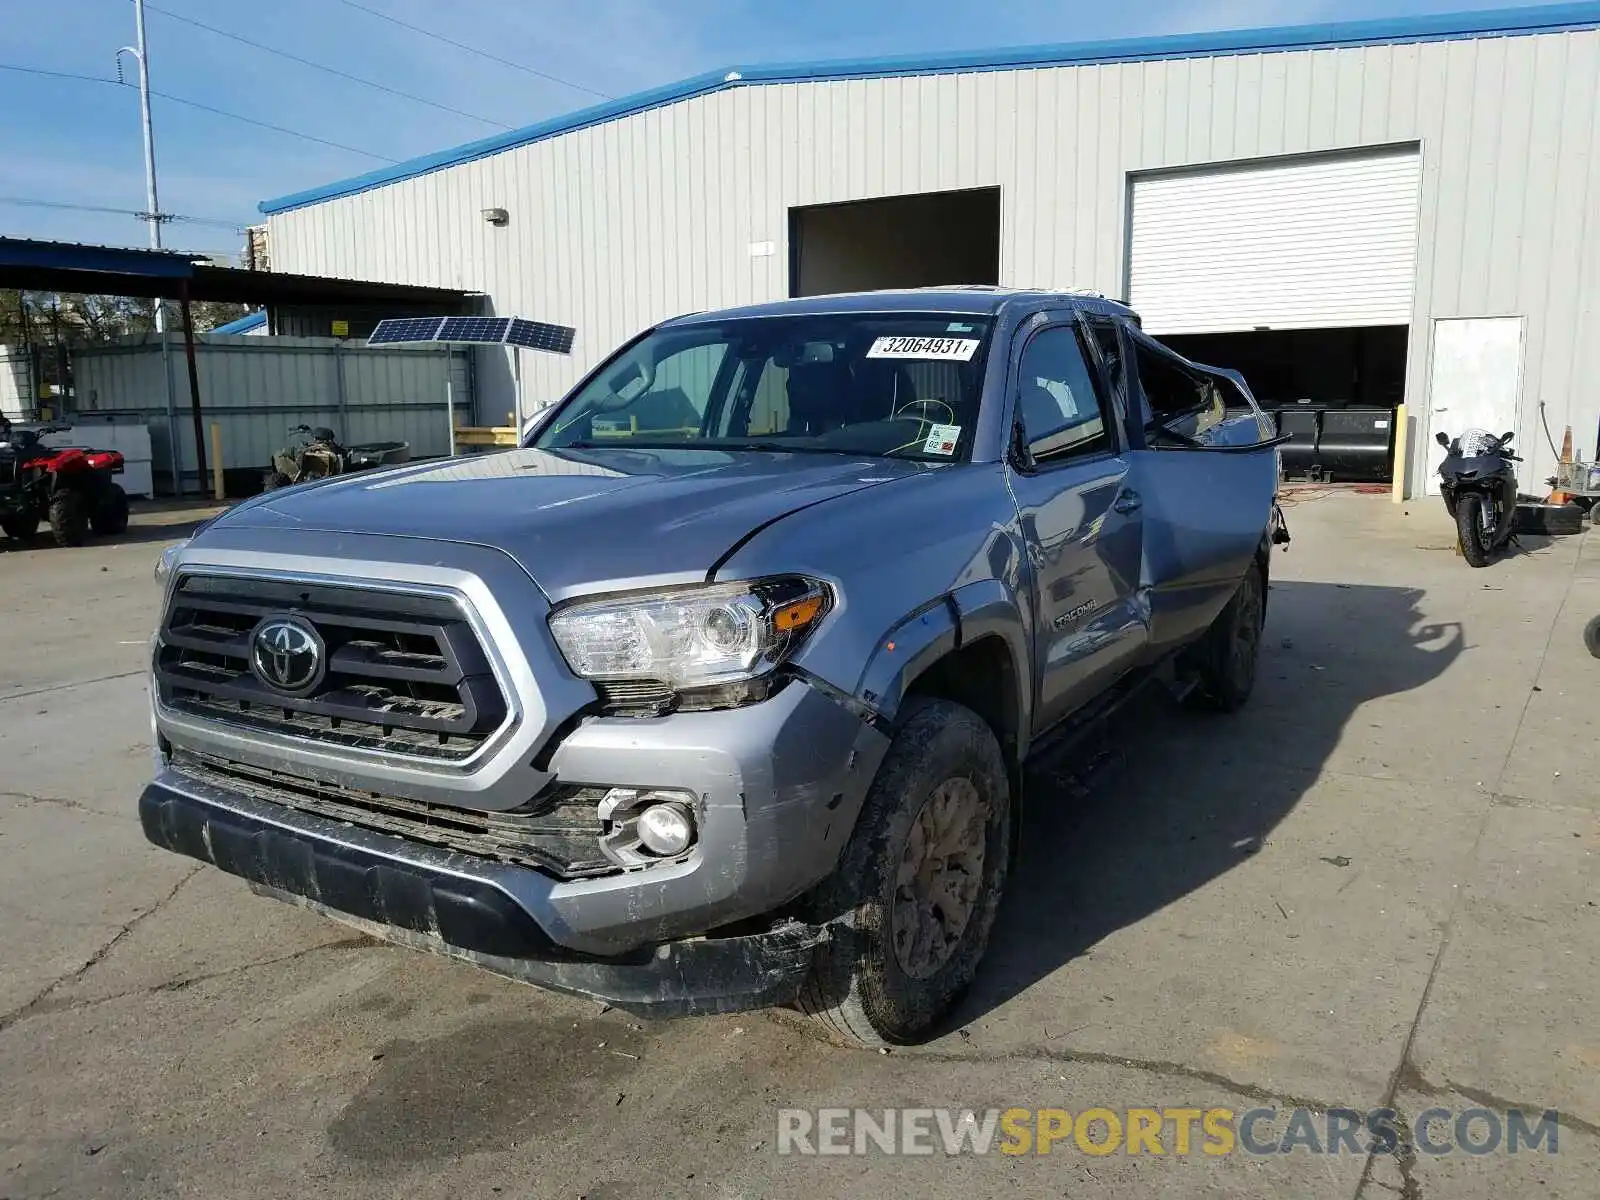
676,401
769,406
1057,401
1174,395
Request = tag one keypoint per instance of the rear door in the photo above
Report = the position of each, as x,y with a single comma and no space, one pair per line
1069,477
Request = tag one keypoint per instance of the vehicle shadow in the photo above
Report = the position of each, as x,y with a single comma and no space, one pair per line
133,535
1190,795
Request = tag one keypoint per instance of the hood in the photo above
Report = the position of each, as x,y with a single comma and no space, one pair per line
580,521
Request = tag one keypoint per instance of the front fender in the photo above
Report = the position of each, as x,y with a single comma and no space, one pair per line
984,608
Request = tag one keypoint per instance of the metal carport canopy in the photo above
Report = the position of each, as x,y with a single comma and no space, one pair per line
175,275
169,274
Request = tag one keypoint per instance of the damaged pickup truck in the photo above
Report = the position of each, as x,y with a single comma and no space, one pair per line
716,694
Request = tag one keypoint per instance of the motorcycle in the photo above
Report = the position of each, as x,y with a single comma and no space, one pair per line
316,453
1479,487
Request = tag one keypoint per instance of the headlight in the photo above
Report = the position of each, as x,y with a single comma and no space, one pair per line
168,560
691,639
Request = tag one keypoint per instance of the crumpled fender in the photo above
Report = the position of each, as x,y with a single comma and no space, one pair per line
983,608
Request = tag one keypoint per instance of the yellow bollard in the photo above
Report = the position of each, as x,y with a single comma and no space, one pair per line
217,490
1402,446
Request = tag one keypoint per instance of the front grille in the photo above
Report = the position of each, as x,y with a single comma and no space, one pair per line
558,832
405,672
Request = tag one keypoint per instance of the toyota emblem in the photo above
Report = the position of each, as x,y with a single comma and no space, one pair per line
287,655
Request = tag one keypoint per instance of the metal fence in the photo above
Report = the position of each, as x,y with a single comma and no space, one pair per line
257,388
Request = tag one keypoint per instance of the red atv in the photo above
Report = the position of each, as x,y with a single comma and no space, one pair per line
70,487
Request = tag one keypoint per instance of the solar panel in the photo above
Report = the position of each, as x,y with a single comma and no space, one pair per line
537,335
510,331
474,329
406,329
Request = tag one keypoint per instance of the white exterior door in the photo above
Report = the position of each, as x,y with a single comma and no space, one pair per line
1320,243
1475,383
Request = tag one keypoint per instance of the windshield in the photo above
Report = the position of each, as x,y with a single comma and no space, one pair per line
849,383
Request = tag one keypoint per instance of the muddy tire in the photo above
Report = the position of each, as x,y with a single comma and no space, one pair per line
271,481
20,526
1591,636
110,516
1469,530
69,518
912,902
1223,662
1549,520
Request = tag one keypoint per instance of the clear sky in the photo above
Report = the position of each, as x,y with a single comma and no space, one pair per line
76,141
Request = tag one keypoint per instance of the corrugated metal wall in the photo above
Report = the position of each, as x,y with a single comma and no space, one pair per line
256,388
623,223
16,382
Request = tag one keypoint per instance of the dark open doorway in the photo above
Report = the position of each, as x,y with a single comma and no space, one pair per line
1333,390
896,242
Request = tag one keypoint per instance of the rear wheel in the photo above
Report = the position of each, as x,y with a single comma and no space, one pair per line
69,517
1591,636
110,516
1223,662
913,899
1471,512
20,526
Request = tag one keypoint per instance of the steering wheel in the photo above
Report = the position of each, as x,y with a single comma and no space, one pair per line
948,417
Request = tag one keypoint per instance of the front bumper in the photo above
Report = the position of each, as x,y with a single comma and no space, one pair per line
427,907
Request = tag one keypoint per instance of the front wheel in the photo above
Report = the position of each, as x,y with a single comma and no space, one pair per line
271,481
913,899
20,526
1591,636
69,517
1471,513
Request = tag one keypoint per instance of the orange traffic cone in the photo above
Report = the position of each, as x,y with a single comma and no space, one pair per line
1558,496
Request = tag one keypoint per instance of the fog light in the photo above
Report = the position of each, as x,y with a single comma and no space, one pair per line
665,829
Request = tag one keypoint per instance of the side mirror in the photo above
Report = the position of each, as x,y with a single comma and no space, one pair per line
1506,437
1442,438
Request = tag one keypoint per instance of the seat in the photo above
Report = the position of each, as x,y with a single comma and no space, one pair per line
882,388
820,397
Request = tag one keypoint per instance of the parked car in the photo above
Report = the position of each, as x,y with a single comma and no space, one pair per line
716,694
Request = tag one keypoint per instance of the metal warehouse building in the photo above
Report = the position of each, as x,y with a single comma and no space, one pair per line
1353,214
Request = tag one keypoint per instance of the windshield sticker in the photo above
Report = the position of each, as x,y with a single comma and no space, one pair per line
942,439
950,349
958,327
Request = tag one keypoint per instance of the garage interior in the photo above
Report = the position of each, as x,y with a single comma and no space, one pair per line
1298,272
1332,390
919,240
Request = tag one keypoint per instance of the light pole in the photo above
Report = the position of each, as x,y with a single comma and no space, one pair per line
152,213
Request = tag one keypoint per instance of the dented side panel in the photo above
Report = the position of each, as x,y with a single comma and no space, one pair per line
1206,515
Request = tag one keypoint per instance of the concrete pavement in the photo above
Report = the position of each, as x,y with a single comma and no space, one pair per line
1376,886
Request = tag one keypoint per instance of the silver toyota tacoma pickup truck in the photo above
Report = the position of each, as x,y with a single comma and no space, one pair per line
716,694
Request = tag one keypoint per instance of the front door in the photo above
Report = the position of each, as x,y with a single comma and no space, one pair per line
1081,523
1475,383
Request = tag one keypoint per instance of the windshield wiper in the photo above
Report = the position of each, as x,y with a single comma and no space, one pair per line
763,447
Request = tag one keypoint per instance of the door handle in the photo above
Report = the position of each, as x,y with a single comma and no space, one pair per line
1128,501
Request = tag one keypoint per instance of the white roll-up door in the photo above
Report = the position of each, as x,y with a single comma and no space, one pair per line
1310,244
